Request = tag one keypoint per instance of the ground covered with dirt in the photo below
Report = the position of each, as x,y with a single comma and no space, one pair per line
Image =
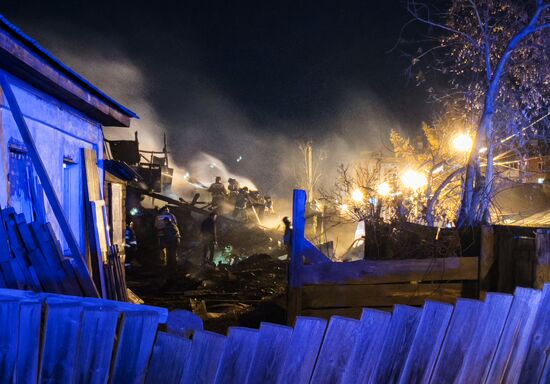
246,293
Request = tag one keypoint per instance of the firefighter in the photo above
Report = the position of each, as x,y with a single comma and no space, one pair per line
169,237
209,237
257,204
241,204
269,210
218,192
130,244
233,188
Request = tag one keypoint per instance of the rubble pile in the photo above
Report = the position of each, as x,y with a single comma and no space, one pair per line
245,293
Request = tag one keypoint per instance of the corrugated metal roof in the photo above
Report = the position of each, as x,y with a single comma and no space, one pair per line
33,45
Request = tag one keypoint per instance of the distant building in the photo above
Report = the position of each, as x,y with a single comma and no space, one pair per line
64,113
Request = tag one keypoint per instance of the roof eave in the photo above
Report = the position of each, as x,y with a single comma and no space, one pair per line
23,62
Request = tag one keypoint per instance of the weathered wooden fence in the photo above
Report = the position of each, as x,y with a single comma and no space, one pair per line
61,339
321,287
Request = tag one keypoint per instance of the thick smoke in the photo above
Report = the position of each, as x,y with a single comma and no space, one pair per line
209,135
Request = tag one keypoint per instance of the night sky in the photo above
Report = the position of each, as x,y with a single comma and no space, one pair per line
238,72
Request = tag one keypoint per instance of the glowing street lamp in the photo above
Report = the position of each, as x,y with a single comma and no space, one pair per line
462,142
414,180
384,189
357,196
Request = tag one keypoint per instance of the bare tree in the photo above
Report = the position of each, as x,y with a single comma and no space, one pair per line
495,54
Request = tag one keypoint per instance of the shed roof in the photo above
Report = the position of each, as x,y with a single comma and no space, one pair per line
24,57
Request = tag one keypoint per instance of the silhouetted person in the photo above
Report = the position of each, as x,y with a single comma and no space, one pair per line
218,192
209,237
168,236
241,203
130,243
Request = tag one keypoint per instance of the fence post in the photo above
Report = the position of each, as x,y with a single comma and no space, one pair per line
542,266
297,240
487,265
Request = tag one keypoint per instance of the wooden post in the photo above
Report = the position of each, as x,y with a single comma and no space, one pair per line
542,267
297,244
486,268
81,270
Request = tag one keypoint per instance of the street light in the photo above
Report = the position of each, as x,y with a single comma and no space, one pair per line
384,189
462,142
414,180
357,196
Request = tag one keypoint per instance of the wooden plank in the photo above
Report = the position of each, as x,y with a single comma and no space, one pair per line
370,338
477,360
88,301
18,250
457,341
303,350
183,323
273,343
28,346
46,275
237,356
539,346
313,254
9,340
60,341
426,343
204,358
297,240
391,271
53,259
49,190
542,265
336,350
95,346
516,337
397,344
488,269
98,230
167,364
136,336
376,295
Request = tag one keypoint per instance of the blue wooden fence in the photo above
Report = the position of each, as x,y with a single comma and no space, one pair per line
51,338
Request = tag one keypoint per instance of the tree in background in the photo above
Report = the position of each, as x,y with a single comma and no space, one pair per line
494,55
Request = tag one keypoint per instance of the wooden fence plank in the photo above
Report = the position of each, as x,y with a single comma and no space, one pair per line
60,341
391,271
273,343
183,323
376,295
9,332
486,337
28,350
370,337
135,344
204,358
303,350
516,337
395,349
168,359
534,363
96,342
427,343
457,340
336,350
240,347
